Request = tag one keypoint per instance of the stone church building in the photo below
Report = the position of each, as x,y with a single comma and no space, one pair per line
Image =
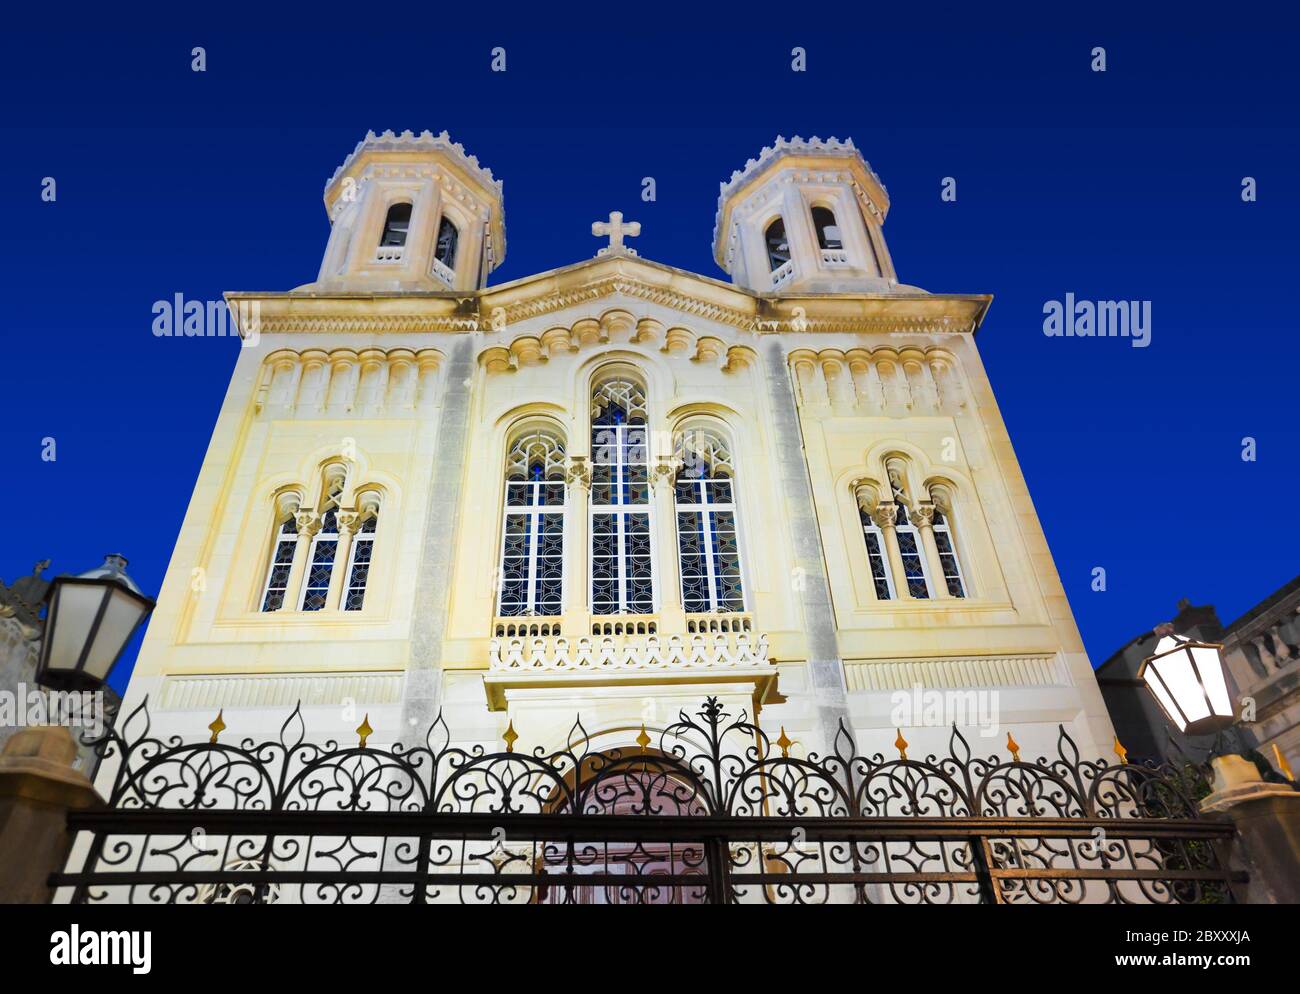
614,488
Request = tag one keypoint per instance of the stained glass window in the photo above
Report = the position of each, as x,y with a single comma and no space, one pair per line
363,548
277,579
909,540
707,541
532,544
324,546
622,572
877,556
948,555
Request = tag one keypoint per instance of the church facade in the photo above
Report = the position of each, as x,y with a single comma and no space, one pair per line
613,489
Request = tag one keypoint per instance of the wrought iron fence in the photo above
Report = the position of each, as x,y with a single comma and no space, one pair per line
714,811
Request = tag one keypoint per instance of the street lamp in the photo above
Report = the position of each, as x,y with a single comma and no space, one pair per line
88,621
1187,679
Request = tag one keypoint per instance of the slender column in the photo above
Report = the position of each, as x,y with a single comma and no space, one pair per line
308,526
672,613
885,514
577,548
923,518
349,522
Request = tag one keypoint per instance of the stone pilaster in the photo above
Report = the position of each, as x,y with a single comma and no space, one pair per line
813,596
422,695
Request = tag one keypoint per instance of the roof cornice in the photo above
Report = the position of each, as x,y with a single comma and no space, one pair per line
902,311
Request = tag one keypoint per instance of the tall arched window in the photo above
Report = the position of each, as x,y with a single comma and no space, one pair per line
396,225
324,544
448,236
532,544
909,538
877,554
828,232
282,550
707,540
622,575
362,554
778,246
943,539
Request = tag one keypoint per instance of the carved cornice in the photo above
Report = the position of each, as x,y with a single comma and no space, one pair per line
904,311
425,141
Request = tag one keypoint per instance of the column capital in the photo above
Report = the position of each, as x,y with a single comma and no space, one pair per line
665,471
923,515
578,472
885,514
308,523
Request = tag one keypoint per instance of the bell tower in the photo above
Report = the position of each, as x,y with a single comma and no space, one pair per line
805,217
411,212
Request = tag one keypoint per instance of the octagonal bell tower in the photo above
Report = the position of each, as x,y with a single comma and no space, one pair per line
411,212
805,217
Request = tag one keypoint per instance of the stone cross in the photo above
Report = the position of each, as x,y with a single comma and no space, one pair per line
615,229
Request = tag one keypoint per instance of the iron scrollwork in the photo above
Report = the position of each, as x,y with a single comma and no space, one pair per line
713,811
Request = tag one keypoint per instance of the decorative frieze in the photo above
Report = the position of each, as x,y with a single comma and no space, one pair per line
884,381
615,325
373,382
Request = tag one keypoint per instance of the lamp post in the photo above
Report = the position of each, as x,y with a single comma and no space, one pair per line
89,618
1187,679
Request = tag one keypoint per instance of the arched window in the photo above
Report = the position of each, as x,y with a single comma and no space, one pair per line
877,555
909,538
396,225
282,550
707,541
532,544
778,246
324,544
362,554
943,539
622,576
445,249
828,232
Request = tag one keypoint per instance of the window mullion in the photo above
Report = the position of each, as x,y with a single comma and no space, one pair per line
710,564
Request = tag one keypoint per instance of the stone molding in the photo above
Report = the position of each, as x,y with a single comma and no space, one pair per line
210,692
961,672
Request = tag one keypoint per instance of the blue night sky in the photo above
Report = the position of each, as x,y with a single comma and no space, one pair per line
1117,185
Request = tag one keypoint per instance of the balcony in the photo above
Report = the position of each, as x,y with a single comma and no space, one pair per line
835,258
719,649
389,255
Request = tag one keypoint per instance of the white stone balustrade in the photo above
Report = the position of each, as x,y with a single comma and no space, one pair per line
558,654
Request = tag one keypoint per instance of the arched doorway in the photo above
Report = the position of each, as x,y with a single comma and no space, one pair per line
630,859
